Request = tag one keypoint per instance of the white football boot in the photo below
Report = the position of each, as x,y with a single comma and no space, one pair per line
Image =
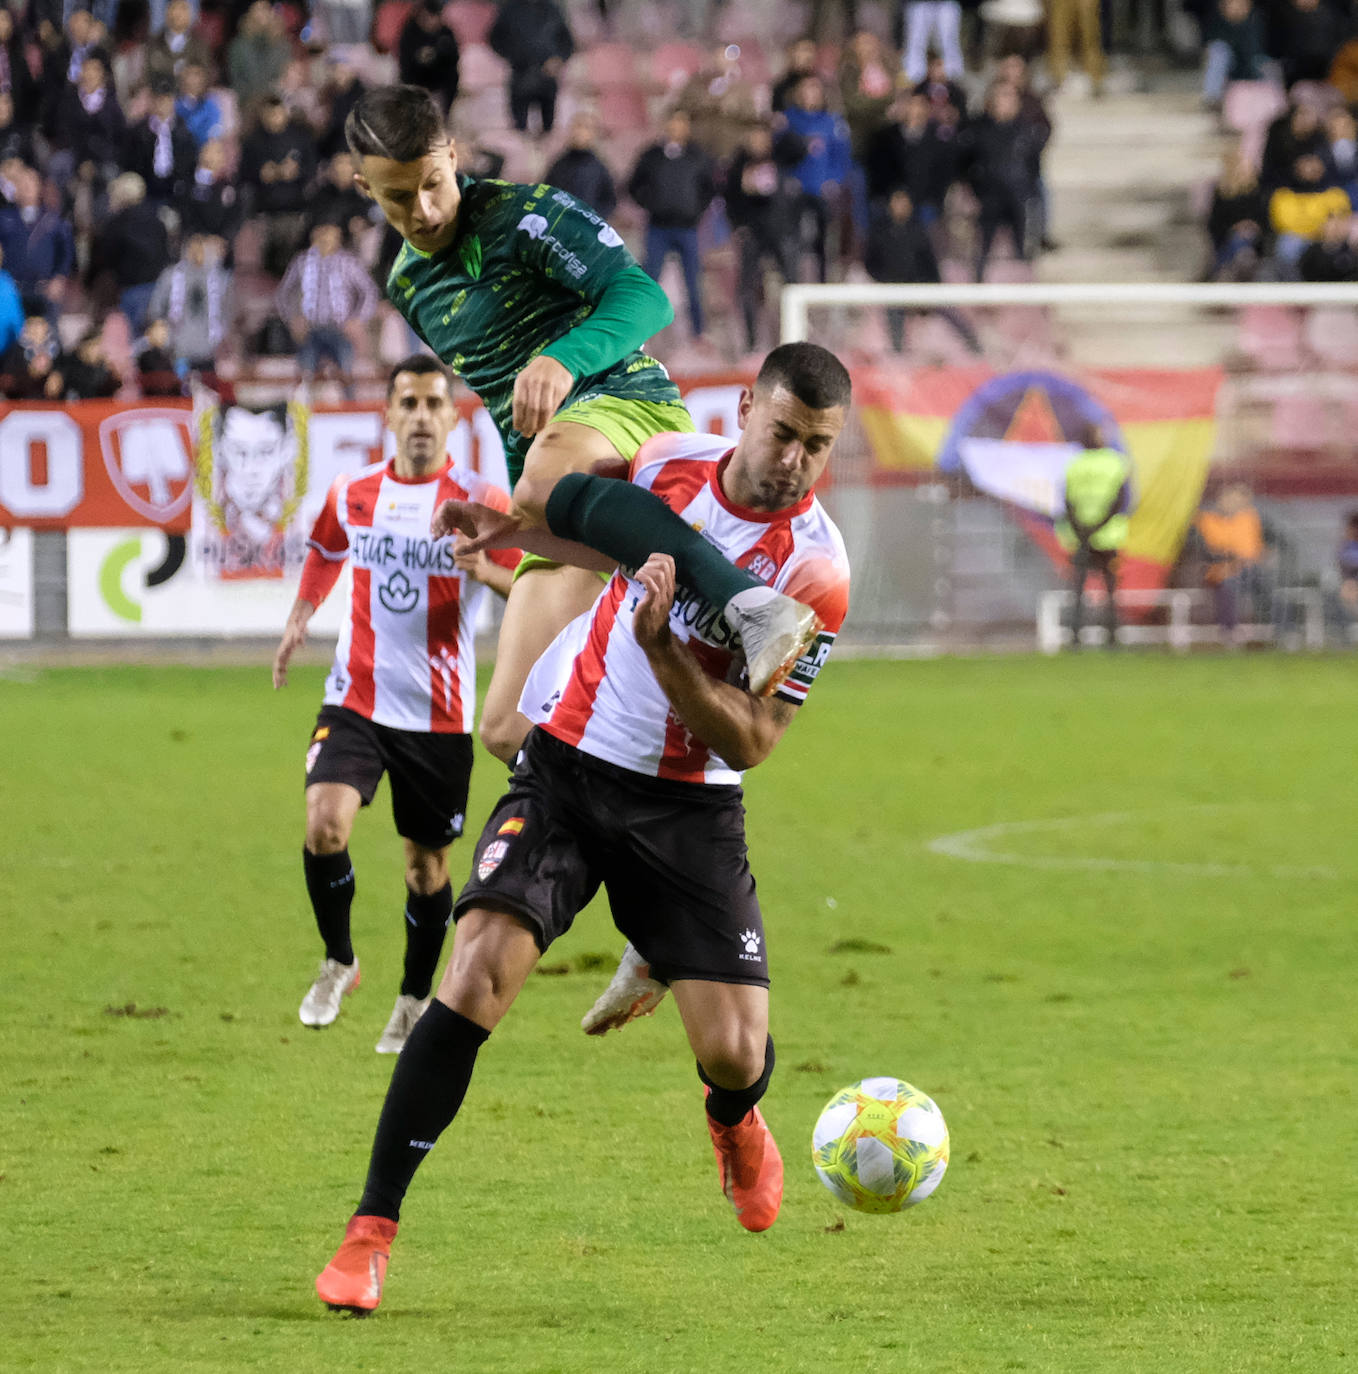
334,981
631,993
775,631
404,1014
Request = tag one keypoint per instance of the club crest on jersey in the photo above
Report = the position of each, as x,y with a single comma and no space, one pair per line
762,567
397,595
491,858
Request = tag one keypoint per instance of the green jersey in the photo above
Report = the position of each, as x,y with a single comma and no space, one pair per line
525,275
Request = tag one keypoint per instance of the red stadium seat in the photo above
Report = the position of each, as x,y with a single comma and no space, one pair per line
623,107
1251,105
388,22
470,20
611,64
673,63
1270,336
480,70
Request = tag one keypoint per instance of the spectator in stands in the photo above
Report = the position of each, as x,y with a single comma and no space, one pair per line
1311,34
62,58
336,200
160,149
1238,221
1296,132
16,81
346,22
943,92
930,22
824,168
16,140
132,247
38,246
1347,559
211,205
194,300
534,38
1004,150
1069,21
1013,68
721,103
1344,72
763,203
899,250
1341,135
28,367
427,53
327,297
867,88
581,171
1234,49
158,15
342,91
1237,545
11,309
175,45
674,183
257,57
88,128
802,58
1332,256
156,375
1298,213
908,154
85,371
278,161
197,109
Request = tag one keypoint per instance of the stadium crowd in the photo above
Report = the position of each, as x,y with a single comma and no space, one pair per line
176,196
1284,78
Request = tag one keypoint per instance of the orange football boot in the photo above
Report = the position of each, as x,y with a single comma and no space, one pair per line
751,1169
352,1281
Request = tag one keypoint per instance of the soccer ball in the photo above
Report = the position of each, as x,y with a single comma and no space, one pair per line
880,1145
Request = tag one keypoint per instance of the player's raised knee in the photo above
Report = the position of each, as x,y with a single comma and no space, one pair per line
327,832
734,1058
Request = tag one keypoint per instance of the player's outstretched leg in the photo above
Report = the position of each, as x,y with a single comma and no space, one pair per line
492,957
628,523
330,811
631,993
727,1026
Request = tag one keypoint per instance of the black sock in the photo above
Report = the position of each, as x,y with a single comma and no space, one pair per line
426,924
727,1106
426,1090
330,885
630,524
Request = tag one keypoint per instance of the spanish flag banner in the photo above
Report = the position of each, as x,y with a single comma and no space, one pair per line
1011,435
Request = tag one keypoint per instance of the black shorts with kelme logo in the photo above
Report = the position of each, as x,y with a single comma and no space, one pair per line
429,772
670,855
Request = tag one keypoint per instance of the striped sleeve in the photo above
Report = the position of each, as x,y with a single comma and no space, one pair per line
328,536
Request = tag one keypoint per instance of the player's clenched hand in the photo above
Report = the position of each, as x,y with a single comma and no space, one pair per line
482,527
651,619
538,390
294,636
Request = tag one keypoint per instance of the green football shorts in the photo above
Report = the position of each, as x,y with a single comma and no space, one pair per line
626,424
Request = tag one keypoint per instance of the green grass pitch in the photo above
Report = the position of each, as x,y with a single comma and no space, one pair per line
1102,909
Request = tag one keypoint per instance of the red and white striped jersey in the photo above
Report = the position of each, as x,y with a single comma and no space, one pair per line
594,688
406,654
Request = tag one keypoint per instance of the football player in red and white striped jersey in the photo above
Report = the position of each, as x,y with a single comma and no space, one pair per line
631,780
401,696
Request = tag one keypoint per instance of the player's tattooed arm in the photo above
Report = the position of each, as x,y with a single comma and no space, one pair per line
743,729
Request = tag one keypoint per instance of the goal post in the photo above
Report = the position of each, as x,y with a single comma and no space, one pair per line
970,399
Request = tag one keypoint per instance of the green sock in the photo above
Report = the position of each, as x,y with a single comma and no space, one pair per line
630,523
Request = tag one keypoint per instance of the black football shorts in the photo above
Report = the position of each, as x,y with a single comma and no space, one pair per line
670,855
429,773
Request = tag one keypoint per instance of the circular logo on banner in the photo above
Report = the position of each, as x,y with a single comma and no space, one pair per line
1027,407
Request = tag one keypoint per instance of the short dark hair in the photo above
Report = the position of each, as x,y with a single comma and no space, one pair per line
398,122
811,373
419,364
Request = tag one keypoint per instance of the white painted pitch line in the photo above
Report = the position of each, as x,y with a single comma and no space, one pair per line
974,846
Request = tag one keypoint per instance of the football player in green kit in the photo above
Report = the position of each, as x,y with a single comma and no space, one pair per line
535,303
